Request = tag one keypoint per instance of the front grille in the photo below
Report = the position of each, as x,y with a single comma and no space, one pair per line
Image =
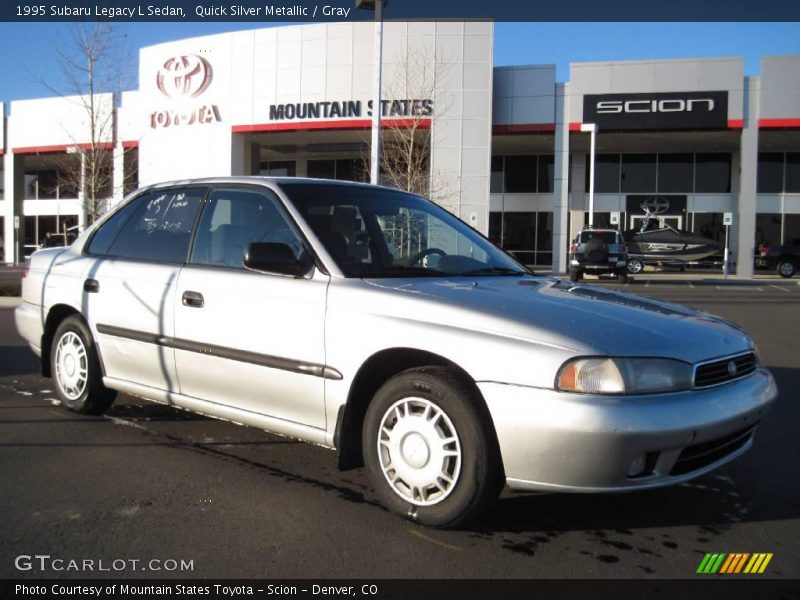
698,456
719,371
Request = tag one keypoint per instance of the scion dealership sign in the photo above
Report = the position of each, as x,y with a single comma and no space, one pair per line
183,78
672,110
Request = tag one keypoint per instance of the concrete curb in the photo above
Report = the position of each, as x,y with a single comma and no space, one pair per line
10,301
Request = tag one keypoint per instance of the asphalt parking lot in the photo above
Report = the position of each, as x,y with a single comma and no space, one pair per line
150,482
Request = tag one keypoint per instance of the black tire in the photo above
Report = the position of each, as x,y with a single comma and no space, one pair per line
478,477
635,266
786,268
88,395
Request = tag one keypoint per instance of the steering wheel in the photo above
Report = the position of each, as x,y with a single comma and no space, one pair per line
422,254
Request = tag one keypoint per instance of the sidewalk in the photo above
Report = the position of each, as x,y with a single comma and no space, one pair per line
695,277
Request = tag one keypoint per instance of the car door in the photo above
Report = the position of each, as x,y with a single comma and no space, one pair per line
129,287
250,340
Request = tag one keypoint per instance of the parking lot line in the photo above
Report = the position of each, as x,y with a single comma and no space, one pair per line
690,284
739,287
778,287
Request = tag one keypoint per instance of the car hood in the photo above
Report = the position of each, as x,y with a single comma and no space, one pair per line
576,317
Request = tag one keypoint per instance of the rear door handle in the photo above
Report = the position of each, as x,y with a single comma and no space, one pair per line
193,299
91,286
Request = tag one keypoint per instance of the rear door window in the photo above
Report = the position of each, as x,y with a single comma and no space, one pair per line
159,228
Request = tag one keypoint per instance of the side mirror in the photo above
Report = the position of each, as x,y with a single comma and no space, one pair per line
274,258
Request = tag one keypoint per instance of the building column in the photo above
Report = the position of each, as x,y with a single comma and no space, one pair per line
579,195
561,181
118,170
746,206
8,205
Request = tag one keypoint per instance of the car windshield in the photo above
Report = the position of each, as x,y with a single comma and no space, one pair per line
374,232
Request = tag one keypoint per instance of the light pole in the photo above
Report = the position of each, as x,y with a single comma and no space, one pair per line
375,148
592,129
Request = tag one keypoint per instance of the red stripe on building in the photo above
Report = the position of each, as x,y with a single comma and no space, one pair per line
342,124
521,128
778,123
58,148
575,126
130,144
735,123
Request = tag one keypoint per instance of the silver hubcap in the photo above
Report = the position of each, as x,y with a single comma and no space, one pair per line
419,451
72,365
785,268
634,266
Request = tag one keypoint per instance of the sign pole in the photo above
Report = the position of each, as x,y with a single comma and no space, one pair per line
727,220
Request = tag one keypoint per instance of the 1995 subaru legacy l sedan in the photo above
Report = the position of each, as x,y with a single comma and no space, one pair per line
374,322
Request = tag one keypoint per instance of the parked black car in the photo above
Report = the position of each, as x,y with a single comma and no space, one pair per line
784,259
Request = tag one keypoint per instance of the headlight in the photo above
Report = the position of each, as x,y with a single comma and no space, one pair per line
624,375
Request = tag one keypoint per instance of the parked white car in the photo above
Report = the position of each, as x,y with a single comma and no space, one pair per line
374,322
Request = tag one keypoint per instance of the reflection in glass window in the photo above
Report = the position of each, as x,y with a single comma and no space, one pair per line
546,173
277,168
322,169
709,225
712,173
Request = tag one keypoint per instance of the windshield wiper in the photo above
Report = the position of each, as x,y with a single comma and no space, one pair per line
495,271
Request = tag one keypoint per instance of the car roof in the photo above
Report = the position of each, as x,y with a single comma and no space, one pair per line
257,179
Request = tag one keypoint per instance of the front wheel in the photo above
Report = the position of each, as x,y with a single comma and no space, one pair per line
429,450
786,268
76,369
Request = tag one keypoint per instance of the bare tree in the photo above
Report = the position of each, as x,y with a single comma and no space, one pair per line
409,102
94,69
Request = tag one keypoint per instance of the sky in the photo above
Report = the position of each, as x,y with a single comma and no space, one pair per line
28,65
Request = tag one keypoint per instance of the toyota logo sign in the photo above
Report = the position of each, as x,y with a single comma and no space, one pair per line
185,75
655,205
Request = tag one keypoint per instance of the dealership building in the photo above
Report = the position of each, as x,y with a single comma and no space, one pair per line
507,149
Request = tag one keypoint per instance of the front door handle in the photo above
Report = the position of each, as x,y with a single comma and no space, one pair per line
193,299
92,286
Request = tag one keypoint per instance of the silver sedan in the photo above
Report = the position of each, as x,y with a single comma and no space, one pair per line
374,322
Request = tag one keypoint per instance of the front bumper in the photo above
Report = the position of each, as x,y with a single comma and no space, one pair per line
558,441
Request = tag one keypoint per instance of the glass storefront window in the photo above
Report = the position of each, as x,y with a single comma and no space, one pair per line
709,225
675,173
601,220
770,173
520,174
791,230
792,181
277,168
768,229
546,173
322,169
496,178
606,174
638,173
712,174
496,228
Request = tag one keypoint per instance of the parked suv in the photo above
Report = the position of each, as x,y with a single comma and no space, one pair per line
598,252
374,322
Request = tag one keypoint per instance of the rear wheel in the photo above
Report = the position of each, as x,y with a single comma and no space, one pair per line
429,452
76,369
786,268
635,266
